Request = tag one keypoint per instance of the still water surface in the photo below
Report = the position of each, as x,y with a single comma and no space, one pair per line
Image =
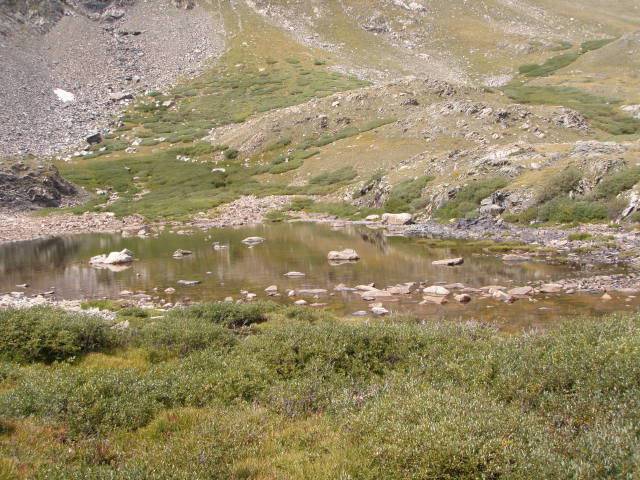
61,263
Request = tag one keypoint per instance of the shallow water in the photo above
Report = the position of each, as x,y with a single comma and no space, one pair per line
62,264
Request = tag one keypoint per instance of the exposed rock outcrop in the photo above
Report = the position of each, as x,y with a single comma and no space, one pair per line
24,187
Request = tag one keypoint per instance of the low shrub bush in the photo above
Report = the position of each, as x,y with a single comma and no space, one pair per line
48,335
406,195
468,198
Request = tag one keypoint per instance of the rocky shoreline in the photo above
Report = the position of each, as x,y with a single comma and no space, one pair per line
586,246
19,226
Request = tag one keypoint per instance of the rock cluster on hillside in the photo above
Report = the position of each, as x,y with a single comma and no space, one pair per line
23,186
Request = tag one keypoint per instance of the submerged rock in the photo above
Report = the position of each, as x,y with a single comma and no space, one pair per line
295,274
189,283
512,257
402,289
463,298
312,291
552,288
521,291
182,253
375,294
434,299
253,240
341,287
449,262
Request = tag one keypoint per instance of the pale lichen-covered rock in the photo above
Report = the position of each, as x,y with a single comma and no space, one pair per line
114,258
397,218
347,255
449,262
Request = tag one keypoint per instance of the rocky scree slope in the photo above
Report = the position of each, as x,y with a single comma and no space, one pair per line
68,67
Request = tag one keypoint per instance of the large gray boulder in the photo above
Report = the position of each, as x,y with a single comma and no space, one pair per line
397,218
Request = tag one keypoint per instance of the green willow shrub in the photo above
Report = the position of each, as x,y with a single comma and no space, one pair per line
304,396
468,198
229,315
341,175
179,336
48,335
566,210
405,196
560,184
616,183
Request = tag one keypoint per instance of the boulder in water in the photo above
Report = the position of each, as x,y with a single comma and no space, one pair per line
449,262
114,258
397,218
347,255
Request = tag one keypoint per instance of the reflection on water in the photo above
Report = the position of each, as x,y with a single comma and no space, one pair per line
62,263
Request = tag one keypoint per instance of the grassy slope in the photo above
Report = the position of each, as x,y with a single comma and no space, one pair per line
305,395
257,77
454,40
254,76
595,79
611,71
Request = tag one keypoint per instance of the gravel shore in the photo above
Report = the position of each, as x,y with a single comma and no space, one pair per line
15,227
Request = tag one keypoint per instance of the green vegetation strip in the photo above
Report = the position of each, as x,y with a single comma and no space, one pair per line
564,60
259,391
602,112
466,202
557,202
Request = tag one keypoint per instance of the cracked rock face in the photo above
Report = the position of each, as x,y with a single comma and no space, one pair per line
26,187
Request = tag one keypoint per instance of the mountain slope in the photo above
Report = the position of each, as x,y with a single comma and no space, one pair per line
313,99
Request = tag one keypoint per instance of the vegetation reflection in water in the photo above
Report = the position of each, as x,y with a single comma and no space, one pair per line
62,264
